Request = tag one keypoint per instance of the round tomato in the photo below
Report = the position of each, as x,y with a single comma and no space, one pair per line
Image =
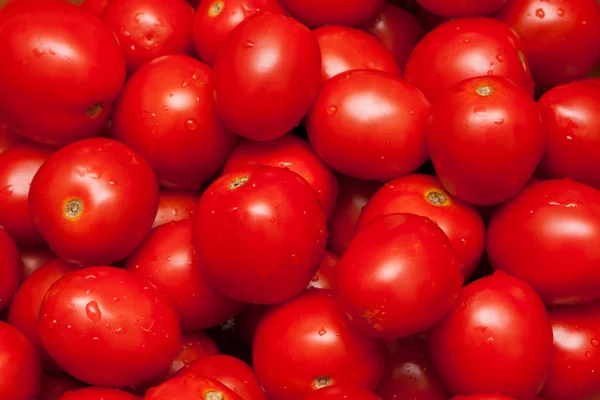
266,76
94,201
306,344
11,269
55,386
62,69
106,327
315,13
34,257
191,386
326,275
8,136
175,205
341,392
94,6
462,8
369,124
97,393
497,339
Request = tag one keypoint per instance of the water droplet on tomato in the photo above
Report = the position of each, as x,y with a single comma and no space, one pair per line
540,13
185,84
39,52
331,110
191,124
93,312
560,12
321,331
500,58
594,342
249,44
588,354
8,189
499,121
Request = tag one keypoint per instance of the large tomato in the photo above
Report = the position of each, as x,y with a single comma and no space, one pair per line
315,13
462,8
98,393
11,269
192,386
341,392
8,136
175,205
61,70
94,201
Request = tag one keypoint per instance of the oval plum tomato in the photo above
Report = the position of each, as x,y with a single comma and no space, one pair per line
341,392
556,250
424,195
259,234
98,393
8,136
94,6
18,165
175,205
570,114
462,8
345,49
11,269
191,386
106,327
561,38
21,377
166,113
55,386
147,29
34,257
216,19
466,48
497,339
369,124
266,76
485,138
326,275
306,344
94,201
66,66
315,13
399,276
289,151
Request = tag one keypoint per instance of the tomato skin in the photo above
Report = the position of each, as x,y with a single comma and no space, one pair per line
467,48
355,104
98,393
561,39
175,205
215,19
49,46
144,334
497,339
326,275
55,386
260,234
483,397
11,269
190,386
556,251
113,194
316,13
266,76
462,8
94,6
33,257
289,151
8,136
293,356
341,392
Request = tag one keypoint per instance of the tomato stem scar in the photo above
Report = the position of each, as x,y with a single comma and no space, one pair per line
484,91
213,395
95,110
239,182
216,8
436,198
73,208
322,381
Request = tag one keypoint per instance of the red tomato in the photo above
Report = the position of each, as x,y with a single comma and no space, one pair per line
306,344
94,6
94,201
326,275
345,49
570,114
369,125
216,19
175,205
497,339
55,386
291,152
21,377
247,321
64,63
561,38
190,386
147,29
462,8
485,138
315,13
11,269
8,136
556,249
259,234
33,257
106,327
98,393
341,392
267,76
466,48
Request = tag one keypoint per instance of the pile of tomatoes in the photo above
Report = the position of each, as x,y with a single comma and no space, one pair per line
300,200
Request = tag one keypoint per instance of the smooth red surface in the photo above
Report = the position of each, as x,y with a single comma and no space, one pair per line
191,386
97,393
315,13
462,8
176,205
326,276
341,392
34,256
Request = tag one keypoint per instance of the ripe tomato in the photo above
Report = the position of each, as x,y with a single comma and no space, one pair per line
8,136
64,63
33,257
315,13
147,29
306,344
11,269
369,124
259,234
175,205
462,8
561,38
556,250
326,275
466,48
216,19
497,339
289,151
94,201
106,327
191,386
341,392
55,386
570,114
97,393
266,76
485,138
94,6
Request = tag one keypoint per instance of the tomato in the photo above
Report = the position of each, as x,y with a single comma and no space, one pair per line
191,386
467,48
289,151
556,250
315,13
259,234
94,6
33,257
497,339
341,392
370,125
147,29
55,386
94,201
97,393
485,138
462,8
11,269
216,19
8,136
345,49
570,115
326,275
561,38
424,195
267,76
176,205
66,67
306,344
21,377
106,327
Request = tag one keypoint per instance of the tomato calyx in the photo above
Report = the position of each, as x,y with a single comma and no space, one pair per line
95,110
437,198
484,90
213,395
322,381
239,182
73,208
216,8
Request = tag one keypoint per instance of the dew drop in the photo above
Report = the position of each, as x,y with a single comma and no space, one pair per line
331,110
594,342
93,311
249,44
499,121
560,12
321,331
191,124
500,58
39,52
540,13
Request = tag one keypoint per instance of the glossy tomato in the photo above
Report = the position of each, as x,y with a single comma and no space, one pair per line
8,136
326,276
191,386
315,13
175,205
55,386
94,6
11,269
266,76
98,393
462,8
66,67
34,257
341,392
